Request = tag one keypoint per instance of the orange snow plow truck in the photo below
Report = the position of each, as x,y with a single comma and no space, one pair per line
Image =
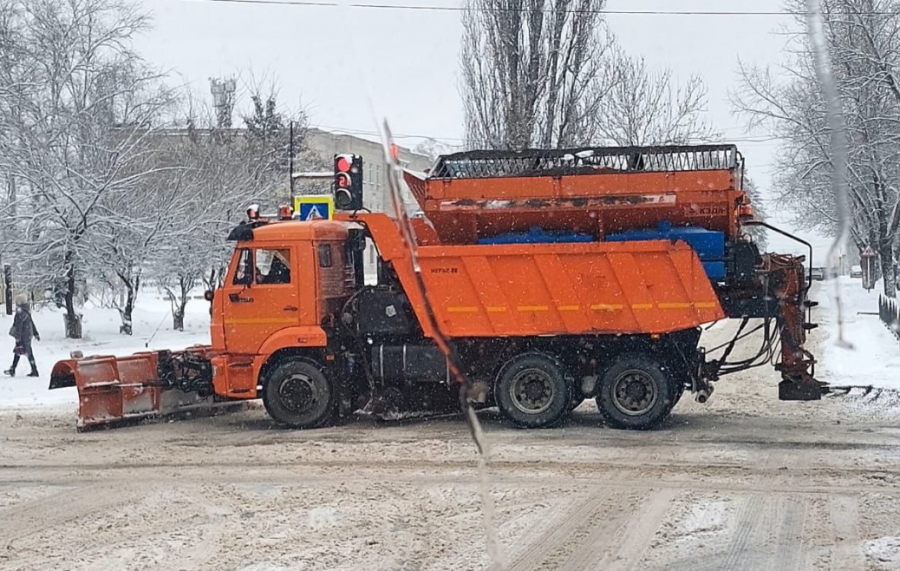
556,276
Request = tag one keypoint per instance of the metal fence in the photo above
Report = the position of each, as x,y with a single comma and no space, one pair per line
889,313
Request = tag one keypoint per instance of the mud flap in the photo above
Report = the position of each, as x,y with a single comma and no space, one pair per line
112,390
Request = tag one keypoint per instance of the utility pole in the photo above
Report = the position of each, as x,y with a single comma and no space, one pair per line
291,159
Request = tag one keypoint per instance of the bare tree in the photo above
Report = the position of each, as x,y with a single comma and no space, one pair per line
534,72
548,73
648,107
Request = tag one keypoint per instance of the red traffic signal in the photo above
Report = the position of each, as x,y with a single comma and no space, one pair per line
342,163
348,182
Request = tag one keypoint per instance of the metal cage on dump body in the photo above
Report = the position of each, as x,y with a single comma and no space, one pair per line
560,162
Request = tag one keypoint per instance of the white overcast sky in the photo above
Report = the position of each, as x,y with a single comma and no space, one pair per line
342,63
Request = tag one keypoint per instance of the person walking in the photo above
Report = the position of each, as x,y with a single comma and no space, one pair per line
23,330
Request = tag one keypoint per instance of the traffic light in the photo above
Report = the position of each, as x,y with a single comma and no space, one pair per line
348,182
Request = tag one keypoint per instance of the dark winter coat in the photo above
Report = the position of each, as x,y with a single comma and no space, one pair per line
23,328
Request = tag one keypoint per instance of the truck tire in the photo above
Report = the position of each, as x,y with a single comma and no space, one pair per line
635,393
298,395
532,391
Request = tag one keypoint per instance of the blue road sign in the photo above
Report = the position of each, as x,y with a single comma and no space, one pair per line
314,207
313,211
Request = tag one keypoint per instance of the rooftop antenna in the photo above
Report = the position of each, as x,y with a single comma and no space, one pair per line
223,99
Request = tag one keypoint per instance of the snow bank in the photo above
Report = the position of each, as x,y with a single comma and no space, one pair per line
874,358
102,337
884,552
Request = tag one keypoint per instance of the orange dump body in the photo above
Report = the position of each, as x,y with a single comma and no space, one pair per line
645,287
484,193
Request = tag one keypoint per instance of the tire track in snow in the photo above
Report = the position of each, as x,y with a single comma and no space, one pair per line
28,518
846,553
749,520
584,509
790,544
638,533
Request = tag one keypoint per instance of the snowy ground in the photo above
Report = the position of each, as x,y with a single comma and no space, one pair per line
871,355
101,336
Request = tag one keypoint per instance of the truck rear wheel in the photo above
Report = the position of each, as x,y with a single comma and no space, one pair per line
298,395
532,391
635,393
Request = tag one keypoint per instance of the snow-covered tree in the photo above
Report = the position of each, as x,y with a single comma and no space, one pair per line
758,233
863,39
77,107
433,148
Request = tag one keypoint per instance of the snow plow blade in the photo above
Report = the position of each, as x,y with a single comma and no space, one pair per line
113,390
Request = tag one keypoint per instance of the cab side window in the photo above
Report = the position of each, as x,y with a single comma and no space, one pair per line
243,275
325,256
273,266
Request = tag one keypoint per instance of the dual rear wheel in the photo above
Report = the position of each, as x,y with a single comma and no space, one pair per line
634,392
532,391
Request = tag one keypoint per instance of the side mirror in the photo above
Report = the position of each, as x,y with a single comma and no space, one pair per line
208,295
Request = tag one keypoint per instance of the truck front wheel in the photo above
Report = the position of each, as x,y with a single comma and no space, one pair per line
635,393
298,395
532,391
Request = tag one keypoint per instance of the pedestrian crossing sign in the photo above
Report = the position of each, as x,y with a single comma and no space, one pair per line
314,207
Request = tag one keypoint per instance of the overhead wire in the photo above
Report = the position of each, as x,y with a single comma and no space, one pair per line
427,8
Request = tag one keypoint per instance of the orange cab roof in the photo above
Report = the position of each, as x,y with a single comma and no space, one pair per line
296,230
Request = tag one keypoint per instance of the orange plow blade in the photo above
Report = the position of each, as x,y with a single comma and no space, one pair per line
144,385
